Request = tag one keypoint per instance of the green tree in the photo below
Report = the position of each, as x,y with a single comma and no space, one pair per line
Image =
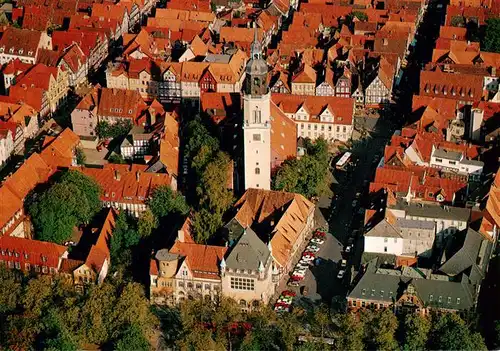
147,223
380,329
132,339
213,187
103,130
458,21
73,199
415,332
491,42
11,291
308,175
124,238
80,156
350,333
165,201
360,15
205,224
449,332
198,136
116,158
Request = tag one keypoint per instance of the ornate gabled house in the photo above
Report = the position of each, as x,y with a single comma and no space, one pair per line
379,83
327,86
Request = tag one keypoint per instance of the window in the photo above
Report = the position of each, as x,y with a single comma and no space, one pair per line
181,284
256,137
385,248
18,265
373,292
257,116
440,299
207,286
458,301
439,160
453,162
449,299
431,297
363,292
385,240
190,285
242,283
257,170
198,285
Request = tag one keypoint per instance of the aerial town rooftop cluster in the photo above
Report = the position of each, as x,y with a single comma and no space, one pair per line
267,78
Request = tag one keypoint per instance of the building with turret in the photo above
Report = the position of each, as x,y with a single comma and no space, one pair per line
257,121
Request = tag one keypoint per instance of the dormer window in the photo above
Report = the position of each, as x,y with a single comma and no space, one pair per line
11,50
2,49
130,111
21,51
30,53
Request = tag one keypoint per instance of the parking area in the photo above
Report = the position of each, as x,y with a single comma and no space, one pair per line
320,282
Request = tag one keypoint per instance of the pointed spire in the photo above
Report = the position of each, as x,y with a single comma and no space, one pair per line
261,267
223,263
255,34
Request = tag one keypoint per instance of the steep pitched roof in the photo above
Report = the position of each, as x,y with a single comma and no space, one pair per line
286,213
202,260
33,252
248,253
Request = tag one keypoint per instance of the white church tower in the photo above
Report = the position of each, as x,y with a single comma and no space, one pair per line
257,123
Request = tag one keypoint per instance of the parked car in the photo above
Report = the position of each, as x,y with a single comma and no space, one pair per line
317,241
348,248
293,283
313,249
341,273
343,263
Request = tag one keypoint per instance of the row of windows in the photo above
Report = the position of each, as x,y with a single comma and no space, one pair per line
242,284
27,266
344,128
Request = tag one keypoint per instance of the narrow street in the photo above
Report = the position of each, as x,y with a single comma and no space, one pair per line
346,218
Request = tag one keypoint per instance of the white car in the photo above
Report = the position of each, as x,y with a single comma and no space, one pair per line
298,274
312,248
317,241
348,248
308,258
341,273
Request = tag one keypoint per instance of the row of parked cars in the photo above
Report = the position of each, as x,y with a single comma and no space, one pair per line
284,302
308,257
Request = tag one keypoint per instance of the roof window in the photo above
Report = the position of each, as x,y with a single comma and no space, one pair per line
2,49
21,51
30,53
11,50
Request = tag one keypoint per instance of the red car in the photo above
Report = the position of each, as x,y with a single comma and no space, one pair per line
288,293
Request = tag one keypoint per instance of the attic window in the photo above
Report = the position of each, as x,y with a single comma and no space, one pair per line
30,53
458,301
130,111
2,49
431,297
11,50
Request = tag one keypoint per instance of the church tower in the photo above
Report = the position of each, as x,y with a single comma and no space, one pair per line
257,123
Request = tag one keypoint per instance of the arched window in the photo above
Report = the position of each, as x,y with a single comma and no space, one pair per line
256,82
257,170
255,303
243,303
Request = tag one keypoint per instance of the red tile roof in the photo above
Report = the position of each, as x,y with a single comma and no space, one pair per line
126,183
341,108
32,252
202,260
464,87
283,137
21,40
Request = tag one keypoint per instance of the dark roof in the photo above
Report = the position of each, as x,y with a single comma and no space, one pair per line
248,253
388,285
468,249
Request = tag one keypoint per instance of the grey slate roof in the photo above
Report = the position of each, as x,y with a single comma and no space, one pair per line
248,252
474,246
415,224
384,229
449,155
164,255
434,211
387,285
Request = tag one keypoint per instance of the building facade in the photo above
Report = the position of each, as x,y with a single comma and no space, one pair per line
257,124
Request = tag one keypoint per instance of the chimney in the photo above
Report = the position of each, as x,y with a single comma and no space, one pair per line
493,71
180,235
117,175
137,175
385,42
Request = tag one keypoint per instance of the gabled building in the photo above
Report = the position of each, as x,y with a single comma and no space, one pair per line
22,44
326,87
329,117
304,81
379,83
